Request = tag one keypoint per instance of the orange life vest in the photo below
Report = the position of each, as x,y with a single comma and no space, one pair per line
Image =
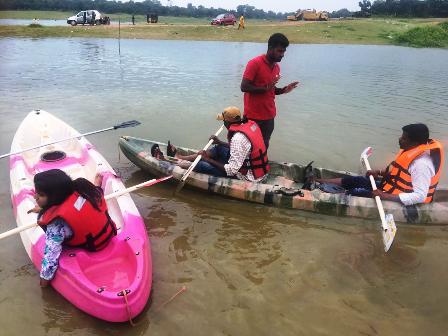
91,228
258,158
398,179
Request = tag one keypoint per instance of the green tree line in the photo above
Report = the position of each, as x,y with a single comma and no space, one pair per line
400,8
131,7
406,8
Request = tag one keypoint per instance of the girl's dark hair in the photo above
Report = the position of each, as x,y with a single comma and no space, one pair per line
278,40
58,186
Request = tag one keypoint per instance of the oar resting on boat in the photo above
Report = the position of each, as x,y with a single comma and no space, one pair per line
107,197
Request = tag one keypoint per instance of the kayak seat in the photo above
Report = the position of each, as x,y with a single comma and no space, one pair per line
112,268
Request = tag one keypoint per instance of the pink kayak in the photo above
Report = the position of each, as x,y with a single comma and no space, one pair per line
113,284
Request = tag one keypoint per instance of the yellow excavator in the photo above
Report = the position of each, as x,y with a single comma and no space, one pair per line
308,15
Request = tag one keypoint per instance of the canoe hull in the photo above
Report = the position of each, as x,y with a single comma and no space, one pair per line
281,186
93,282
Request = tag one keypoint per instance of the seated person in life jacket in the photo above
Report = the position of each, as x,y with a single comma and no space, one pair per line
244,155
411,178
72,213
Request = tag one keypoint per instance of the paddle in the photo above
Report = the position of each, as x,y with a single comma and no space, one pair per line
195,162
125,124
113,195
387,220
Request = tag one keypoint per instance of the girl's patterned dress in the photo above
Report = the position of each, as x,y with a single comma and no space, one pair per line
57,231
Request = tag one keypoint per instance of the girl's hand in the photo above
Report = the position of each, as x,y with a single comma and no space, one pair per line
36,209
44,283
98,180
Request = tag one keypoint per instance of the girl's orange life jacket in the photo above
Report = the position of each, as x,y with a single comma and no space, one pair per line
258,158
398,179
91,228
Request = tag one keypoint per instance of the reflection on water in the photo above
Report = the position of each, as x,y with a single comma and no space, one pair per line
248,269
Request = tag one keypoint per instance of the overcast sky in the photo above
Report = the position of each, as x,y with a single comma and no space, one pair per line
276,6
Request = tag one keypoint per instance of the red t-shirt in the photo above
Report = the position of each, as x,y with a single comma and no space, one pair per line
260,106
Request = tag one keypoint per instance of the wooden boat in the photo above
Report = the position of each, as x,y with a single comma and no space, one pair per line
112,284
283,188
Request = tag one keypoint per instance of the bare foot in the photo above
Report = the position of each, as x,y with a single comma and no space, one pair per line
171,150
44,283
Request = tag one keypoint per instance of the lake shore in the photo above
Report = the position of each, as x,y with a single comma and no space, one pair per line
379,31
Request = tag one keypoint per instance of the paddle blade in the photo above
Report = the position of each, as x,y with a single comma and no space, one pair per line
389,232
179,187
364,155
126,124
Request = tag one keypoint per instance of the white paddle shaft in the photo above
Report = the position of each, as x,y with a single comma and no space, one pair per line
388,226
55,142
379,204
112,195
198,158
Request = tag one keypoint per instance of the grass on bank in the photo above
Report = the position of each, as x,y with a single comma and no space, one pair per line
428,36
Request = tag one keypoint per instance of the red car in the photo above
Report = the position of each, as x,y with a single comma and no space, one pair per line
224,20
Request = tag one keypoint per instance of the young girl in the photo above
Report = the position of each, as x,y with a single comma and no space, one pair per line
72,213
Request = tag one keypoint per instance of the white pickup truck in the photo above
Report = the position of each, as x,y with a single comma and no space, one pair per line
86,17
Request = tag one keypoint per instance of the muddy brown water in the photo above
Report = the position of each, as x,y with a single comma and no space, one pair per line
249,269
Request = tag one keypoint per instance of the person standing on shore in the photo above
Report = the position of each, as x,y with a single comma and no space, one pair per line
259,85
241,24
93,18
84,18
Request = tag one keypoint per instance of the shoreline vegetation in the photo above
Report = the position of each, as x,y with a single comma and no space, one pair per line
378,31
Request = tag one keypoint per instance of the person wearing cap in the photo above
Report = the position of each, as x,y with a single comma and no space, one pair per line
259,85
411,178
244,155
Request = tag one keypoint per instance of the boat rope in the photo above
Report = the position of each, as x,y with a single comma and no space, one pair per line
125,294
180,291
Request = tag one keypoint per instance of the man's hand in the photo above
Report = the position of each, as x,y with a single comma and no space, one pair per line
215,139
291,86
385,196
273,83
204,155
378,193
374,173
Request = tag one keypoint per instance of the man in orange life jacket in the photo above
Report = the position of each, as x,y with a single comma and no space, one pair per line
244,156
411,178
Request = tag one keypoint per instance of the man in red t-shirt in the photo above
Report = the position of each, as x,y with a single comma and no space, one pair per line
259,85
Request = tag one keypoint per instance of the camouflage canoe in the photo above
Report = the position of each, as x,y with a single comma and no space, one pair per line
283,188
